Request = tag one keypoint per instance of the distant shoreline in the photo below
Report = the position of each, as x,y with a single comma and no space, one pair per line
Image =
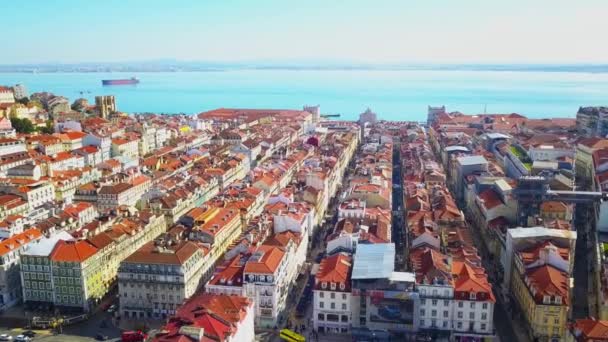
143,68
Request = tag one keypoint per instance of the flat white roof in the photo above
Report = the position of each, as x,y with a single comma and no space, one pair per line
522,233
472,160
494,135
503,185
374,261
403,276
44,246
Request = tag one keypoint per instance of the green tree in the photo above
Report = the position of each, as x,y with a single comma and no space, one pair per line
24,100
22,125
48,129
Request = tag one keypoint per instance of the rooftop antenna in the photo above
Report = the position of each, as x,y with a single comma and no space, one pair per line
485,109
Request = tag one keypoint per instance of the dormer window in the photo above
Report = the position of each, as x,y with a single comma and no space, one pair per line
472,296
546,299
342,286
324,285
558,300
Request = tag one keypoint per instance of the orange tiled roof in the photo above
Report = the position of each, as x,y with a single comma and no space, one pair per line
590,329
73,251
19,240
266,259
335,269
547,280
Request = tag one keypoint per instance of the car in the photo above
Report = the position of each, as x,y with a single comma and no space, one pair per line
22,338
5,337
29,333
101,337
112,308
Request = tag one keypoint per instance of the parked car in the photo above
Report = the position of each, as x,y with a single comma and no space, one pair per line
112,308
29,333
5,337
101,337
22,338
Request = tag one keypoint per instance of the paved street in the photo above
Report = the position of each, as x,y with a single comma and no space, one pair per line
99,323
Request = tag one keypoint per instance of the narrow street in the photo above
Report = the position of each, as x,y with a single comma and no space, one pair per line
301,322
398,218
582,265
507,323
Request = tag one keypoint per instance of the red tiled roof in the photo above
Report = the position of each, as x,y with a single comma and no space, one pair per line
335,269
218,315
490,198
471,279
590,329
266,259
547,280
73,251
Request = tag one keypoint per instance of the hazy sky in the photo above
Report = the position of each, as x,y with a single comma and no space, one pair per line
512,31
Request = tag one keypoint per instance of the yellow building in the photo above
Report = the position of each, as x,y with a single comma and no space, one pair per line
540,286
77,275
122,239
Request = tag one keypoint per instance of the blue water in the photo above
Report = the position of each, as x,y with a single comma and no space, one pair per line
394,95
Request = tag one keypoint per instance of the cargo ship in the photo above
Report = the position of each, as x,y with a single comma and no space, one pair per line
126,81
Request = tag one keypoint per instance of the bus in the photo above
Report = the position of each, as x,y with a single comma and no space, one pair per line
290,336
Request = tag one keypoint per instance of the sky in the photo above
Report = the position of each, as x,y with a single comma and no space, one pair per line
378,31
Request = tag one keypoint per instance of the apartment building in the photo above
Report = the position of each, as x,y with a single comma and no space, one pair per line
155,280
211,317
11,249
332,295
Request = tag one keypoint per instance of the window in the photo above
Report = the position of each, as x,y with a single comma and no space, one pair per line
344,296
556,320
483,326
471,315
434,313
484,305
460,304
343,306
422,322
321,317
422,301
333,305
321,305
445,324
434,293
484,316
422,312
459,314
434,302
344,318
446,302
472,296
459,325
321,294
433,323
445,314
472,305
332,295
